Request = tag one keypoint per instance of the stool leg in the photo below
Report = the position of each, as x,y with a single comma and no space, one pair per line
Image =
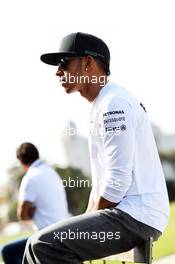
143,252
149,252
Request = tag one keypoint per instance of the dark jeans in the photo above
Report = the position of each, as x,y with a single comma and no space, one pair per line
12,253
86,237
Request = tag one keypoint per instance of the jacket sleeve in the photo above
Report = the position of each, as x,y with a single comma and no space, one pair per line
116,120
28,190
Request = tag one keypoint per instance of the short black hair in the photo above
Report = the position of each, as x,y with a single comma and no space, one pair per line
27,153
103,66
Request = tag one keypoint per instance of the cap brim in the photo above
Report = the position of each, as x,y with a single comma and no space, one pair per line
54,58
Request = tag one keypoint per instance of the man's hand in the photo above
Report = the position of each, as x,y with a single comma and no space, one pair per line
25,211
102,203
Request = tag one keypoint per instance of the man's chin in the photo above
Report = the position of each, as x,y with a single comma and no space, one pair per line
69,88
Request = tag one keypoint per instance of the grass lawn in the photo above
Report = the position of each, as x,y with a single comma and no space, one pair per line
6,239
166,244
163,247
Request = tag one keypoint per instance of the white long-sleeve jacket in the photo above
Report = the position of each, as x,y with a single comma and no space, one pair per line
125,164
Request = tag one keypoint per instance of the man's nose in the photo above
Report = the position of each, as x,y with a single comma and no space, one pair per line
59,72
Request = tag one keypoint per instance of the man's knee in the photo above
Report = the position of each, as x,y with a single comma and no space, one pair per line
40,242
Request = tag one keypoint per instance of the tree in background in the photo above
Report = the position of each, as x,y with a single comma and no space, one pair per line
15,178
168,159
77,186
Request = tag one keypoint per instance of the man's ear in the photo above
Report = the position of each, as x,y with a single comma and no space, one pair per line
89,62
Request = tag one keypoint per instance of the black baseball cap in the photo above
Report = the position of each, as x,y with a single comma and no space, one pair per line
80,44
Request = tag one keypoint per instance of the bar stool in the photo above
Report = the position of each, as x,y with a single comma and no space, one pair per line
142,254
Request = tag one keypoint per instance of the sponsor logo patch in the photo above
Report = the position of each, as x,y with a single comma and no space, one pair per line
113,113
143,107
123,127
122,118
